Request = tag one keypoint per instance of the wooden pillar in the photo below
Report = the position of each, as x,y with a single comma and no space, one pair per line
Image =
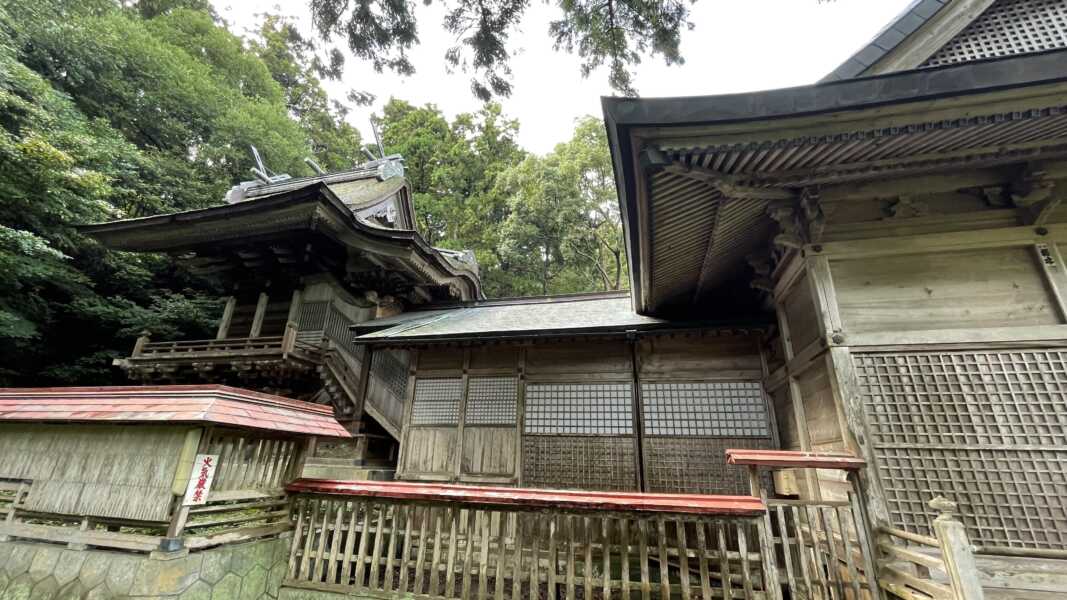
196,442
409,403
261,311
845,385
956,551
227,318
462,414
138,346
295,306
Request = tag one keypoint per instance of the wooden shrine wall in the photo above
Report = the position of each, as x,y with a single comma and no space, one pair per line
112,471
934,345
565,415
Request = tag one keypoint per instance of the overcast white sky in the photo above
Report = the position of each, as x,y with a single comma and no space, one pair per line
737,46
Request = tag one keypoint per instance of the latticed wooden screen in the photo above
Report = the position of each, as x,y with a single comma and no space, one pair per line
391,368
579,435
689,425
491,401
986,429
437,401
1006,28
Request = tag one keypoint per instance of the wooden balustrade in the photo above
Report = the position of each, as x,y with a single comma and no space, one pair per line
444,541
919,567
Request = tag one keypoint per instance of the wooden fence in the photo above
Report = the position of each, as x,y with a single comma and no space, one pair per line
444,541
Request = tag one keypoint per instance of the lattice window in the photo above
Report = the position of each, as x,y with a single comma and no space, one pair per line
588,463
1006,28
579,408
491,401
313,316
437,401
696,465
986,429
721,409
391,368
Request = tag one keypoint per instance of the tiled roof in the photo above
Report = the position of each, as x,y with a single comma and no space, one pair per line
906,23
698,504
216,404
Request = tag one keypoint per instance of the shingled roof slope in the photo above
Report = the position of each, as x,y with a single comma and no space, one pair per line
545,316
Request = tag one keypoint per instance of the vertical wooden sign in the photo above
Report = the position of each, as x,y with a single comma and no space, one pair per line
200,479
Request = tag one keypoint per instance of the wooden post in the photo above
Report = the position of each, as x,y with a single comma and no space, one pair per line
196,442
289,339
296,305
766,540
261,311
227,317
139,345
956,551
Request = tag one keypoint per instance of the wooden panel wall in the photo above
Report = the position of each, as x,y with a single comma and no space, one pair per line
571,422
123,472
992,287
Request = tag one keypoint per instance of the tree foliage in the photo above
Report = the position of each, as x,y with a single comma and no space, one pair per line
617,33
109,112
538,225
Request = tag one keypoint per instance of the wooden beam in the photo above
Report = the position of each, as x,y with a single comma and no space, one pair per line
940,242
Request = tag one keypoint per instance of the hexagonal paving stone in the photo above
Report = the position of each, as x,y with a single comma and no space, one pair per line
45,589
255,584
18,588
69,565
197,591
73,590
216,564
20,559
44,562
121,572
228,588
94,569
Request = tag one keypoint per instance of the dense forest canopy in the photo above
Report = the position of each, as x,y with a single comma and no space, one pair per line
112,110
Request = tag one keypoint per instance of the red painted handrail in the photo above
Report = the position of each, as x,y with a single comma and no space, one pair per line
531,498
786,459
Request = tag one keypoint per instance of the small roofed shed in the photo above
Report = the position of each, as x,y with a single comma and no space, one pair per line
121,456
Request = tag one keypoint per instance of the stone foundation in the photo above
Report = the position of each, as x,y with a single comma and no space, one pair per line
36,571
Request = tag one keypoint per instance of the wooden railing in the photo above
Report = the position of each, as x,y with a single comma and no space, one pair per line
919,567
189,349
445,541
822,547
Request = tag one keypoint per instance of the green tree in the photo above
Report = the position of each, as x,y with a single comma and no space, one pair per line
109,112
562,232
295,65
617,33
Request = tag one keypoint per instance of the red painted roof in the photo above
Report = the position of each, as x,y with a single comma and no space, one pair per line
786,459
217,404
530,498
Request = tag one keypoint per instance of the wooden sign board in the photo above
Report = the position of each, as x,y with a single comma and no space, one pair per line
200,479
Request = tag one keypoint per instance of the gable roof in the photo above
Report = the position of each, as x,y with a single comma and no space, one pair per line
931,33
310,207
697,175
908,22
213,404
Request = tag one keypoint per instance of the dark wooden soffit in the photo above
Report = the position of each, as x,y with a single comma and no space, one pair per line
696,176
314,209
